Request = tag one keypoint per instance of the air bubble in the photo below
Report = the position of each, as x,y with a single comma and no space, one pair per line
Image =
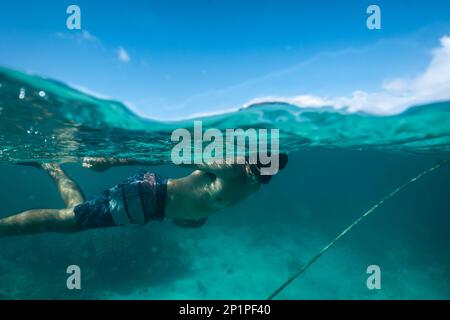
41,93
22,94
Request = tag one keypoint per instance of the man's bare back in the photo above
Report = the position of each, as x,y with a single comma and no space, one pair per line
208,190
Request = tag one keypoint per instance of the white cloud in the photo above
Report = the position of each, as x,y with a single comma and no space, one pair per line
208,113
83,36
123,55
396,95
86,35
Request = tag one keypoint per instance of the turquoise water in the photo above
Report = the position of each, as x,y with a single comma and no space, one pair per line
340,164
45,120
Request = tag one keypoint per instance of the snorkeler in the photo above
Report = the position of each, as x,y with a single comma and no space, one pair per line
146,197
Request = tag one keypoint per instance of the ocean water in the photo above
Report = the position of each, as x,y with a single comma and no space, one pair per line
340,165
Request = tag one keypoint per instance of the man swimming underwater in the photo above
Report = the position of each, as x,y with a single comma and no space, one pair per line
188,201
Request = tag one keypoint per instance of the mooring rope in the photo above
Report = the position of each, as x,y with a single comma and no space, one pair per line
343,233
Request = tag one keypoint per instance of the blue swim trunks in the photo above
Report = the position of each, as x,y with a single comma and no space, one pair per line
136,201
94,213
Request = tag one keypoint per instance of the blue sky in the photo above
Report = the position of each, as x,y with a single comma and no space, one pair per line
191,57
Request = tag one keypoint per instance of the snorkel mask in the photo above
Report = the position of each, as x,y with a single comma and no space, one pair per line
265,179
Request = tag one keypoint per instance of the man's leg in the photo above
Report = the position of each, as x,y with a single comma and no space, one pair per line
69,191
47,220
37,221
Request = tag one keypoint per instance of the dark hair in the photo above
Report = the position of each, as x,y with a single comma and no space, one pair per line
283,159
264,179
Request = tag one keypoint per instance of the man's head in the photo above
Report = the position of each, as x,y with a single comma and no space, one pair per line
264,179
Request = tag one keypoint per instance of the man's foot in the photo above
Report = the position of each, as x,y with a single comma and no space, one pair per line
36,165
50,166
53,169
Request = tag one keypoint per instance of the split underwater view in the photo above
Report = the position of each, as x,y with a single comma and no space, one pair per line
340,164
346,154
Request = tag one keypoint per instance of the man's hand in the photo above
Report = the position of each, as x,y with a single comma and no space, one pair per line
102,164
221,168
98,164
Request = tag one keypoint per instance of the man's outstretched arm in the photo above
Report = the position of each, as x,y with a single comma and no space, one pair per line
102,164
219,168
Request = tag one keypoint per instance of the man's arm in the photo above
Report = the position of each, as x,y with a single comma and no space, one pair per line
218,168
102,164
